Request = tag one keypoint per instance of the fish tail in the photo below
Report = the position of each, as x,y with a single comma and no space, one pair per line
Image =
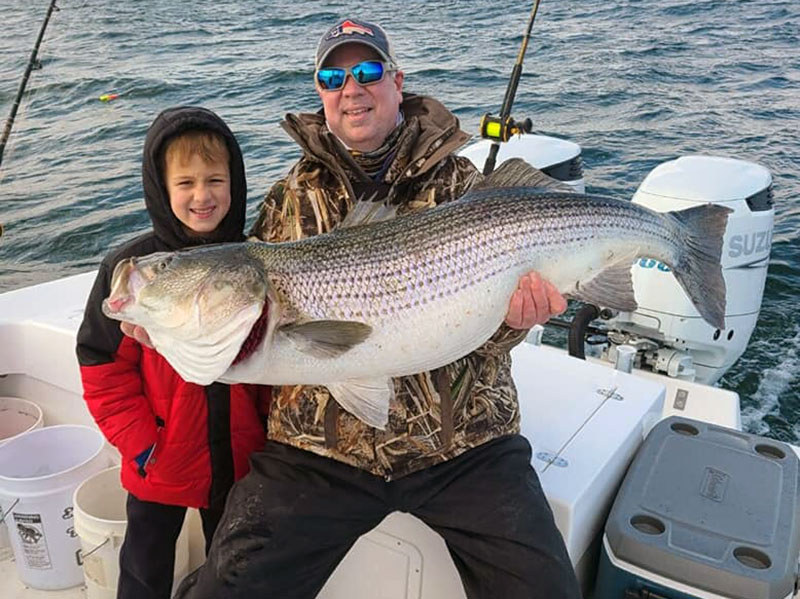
698,268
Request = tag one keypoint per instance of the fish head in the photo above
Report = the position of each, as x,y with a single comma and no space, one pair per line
198,306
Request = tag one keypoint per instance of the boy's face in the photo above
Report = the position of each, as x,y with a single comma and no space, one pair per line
199,192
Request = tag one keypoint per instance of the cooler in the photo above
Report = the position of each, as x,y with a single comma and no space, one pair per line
704,512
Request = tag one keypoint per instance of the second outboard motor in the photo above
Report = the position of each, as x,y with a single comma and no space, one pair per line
558,158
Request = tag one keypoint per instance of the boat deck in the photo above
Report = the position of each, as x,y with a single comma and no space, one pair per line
14,589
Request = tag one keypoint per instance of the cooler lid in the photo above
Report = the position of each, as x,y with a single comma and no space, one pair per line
710,507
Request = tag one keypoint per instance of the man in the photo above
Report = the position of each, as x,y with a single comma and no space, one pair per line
451,453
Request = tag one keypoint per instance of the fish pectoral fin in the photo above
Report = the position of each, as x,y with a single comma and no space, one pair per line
612,287
326,338
515,172
366,399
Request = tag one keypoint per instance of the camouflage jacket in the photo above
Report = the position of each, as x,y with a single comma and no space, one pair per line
435,415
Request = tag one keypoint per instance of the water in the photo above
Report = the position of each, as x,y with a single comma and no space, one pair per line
634,82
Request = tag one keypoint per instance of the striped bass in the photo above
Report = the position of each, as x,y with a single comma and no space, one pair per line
352,308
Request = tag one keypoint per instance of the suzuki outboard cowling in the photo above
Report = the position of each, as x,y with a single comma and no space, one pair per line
671,335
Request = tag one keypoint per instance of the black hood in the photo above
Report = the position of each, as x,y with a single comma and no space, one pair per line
166,226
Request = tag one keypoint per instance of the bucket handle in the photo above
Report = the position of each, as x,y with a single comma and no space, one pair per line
85,555
3,516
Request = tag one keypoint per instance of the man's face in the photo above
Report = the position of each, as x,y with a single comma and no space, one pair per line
362,117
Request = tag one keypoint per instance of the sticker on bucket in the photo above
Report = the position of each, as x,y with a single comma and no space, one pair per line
34,544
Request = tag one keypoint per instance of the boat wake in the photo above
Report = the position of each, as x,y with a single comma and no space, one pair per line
774,384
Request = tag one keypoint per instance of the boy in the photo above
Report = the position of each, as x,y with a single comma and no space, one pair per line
182,445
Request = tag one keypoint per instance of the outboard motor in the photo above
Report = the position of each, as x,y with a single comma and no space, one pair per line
558,158
667,331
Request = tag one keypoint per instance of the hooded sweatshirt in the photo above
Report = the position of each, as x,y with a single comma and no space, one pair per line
200,436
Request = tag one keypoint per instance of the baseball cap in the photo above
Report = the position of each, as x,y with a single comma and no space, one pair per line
357,31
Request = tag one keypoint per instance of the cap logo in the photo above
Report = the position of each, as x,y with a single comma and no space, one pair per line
349,28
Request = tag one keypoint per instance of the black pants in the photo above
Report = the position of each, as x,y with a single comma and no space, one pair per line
147,556
292,519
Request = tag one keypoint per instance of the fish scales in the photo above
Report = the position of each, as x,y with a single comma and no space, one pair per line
378,271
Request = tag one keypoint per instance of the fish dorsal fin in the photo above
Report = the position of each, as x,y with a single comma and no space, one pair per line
366,399
364,212
612,287
326,338
515,172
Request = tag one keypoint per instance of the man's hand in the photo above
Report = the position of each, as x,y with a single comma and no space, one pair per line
137,332
534,302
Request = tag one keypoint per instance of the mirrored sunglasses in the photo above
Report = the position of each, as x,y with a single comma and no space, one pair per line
363,73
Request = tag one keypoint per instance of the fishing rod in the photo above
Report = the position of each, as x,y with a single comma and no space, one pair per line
32,63
500,129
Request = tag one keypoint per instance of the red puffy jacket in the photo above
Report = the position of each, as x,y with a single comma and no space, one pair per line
202,435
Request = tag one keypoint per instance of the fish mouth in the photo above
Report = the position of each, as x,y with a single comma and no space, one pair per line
116,305
125,284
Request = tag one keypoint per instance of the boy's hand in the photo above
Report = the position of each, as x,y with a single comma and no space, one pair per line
142,459
137,332
534,302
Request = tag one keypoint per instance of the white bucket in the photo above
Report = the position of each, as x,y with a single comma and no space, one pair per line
39,472
17,416
100,521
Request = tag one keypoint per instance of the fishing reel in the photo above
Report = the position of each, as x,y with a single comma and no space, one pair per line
496,129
